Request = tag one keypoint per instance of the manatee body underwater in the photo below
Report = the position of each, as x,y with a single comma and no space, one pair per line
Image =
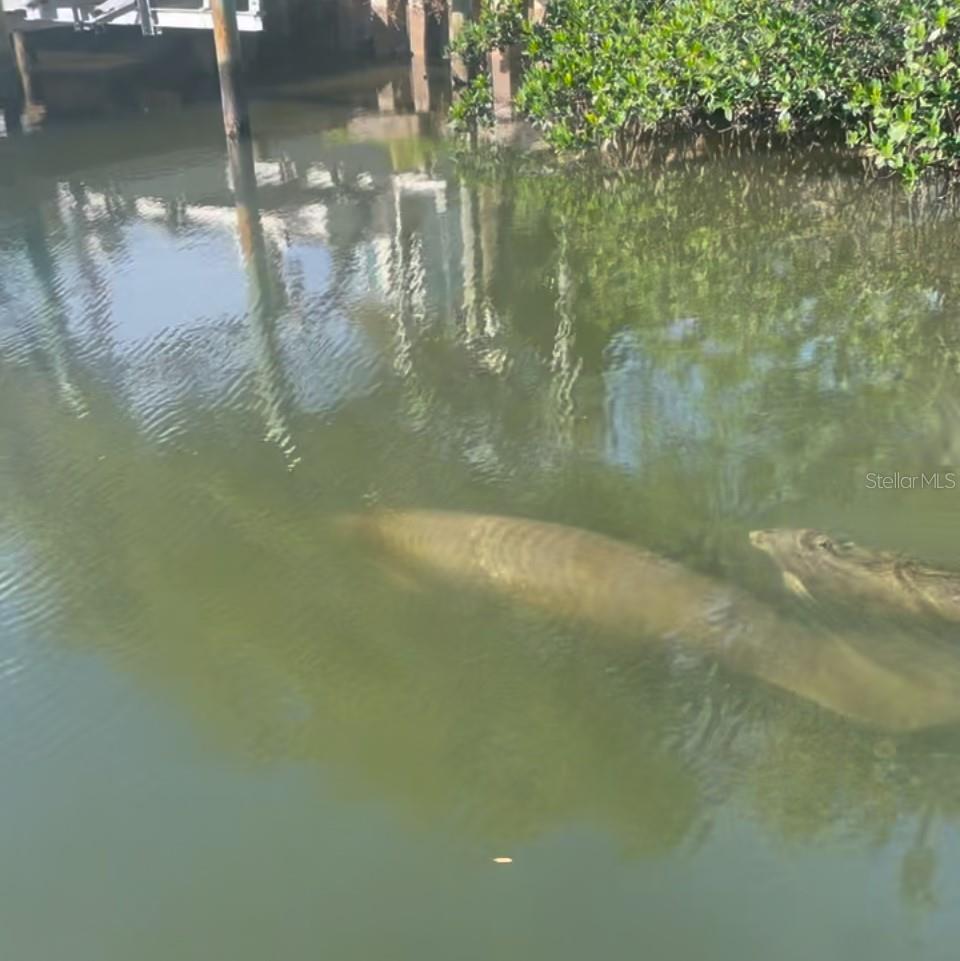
638,596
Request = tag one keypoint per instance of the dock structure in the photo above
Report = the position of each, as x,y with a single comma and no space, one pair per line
152,16
20,19
379,29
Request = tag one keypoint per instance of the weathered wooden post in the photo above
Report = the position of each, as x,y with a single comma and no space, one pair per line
417,29
420,85
505,67
460,12
226,36
9,90
32,106
417,18
243,179
21,54
504,79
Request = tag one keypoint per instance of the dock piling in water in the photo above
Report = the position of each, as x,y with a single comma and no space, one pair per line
9,88
417,18
32,104
226,35
504,75
461,11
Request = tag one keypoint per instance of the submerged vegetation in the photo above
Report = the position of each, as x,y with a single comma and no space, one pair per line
610,73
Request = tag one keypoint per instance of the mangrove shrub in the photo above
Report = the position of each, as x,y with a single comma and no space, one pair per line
609,73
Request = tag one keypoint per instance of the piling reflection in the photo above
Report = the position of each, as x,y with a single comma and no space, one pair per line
266,297
51,314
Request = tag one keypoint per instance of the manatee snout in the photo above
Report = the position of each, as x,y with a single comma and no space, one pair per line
760,538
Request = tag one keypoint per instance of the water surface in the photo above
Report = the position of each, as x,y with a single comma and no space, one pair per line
223,735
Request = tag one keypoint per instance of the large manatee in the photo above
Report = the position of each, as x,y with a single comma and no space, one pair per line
635,594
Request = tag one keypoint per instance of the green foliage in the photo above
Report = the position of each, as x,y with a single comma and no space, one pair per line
906,117
611,73
495,28
474,105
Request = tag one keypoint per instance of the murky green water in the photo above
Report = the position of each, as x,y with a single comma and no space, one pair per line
225,734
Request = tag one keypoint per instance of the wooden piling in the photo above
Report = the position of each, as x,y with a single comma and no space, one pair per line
9,90
236,119
461,11
253,246
24,61
504,78
417,29
420,84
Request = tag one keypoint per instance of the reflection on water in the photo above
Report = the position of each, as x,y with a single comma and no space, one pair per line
203,358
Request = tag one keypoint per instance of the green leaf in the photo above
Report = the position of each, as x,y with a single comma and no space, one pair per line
898,132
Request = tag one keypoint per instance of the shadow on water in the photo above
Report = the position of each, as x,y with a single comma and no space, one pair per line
672,358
